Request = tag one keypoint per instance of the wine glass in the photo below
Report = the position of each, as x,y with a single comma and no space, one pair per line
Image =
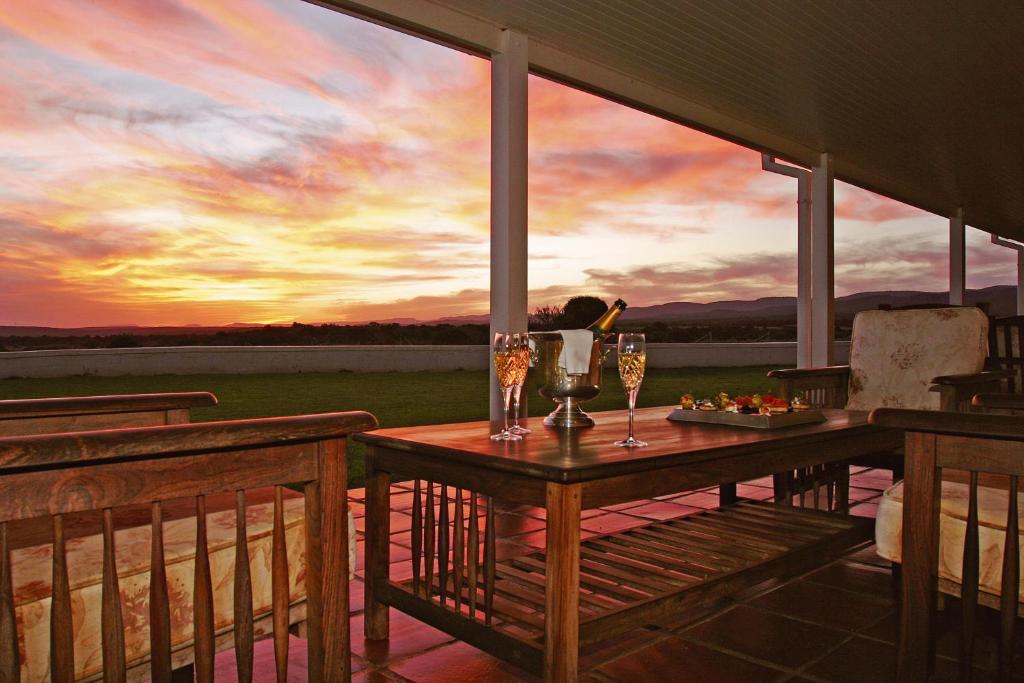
632,362
521,342
506,360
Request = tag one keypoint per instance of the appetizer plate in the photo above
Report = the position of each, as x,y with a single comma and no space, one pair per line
797,417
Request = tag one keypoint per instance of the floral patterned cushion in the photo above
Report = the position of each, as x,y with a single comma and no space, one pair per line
895,354
32,569
952,529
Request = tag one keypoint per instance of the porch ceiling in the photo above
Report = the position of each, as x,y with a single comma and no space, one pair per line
923,101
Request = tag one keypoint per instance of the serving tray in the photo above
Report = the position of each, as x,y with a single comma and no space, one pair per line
741,420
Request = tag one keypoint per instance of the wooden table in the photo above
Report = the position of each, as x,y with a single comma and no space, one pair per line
537,610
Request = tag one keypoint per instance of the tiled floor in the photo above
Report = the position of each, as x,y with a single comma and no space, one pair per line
837,623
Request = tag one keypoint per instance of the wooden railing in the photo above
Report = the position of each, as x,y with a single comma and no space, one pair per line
64,474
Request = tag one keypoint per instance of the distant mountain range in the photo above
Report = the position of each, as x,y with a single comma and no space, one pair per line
1001,300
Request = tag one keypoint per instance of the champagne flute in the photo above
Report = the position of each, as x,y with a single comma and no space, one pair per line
632,363
506,359
521,342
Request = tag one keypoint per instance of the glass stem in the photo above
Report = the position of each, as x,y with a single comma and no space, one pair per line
507,391
515,404
632,406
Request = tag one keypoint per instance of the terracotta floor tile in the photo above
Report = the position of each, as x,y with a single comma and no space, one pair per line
661,510
357,494
869,555
697,499
399,521
356,508
399,571
667,660
408,637
767,636
755,492
623,506
224,669
824,605
400,553
611,522
857,493
866,579
869,510
508,524
402,538
534,540
402,500
858,661
355,595
456,663
372,677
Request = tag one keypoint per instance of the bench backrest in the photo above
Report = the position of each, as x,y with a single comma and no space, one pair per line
978,444
83,413
63,474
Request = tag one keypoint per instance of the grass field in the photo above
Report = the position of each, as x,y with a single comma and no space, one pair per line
396,398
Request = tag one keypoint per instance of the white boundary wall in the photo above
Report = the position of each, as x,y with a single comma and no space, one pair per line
187,360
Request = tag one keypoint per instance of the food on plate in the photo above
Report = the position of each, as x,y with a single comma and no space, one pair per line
800,403
745,404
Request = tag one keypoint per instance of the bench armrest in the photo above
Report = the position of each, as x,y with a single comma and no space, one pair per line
805,373
972,378
994,401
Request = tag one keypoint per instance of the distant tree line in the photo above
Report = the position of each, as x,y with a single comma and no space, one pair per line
577,312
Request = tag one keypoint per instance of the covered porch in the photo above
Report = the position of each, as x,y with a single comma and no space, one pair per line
918,105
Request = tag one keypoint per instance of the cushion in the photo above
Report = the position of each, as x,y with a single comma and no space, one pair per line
952,529
32,571
895,355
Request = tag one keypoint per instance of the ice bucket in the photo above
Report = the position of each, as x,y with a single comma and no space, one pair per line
568,391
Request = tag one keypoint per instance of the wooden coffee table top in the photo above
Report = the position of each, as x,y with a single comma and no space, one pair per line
589,454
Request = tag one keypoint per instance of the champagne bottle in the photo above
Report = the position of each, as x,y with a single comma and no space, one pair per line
603,325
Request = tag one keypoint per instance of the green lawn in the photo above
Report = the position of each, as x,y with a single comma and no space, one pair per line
396,398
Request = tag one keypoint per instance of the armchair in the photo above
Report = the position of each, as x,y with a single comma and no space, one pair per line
924,359
956,535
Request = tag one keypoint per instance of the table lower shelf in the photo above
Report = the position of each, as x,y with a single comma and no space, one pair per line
636,577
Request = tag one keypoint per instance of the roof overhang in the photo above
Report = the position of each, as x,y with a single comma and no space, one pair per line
921,102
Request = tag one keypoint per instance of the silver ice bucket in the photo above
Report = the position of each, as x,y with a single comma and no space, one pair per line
568,391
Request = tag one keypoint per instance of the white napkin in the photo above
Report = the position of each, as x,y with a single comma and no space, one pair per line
576,348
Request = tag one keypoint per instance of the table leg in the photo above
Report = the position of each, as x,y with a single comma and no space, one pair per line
378,530
727,494
562,595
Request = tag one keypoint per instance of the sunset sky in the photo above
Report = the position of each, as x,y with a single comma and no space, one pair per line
167,162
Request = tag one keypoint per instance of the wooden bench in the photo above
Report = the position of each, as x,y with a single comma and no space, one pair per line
59,475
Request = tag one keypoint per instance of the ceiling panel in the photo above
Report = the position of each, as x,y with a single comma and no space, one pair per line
922,101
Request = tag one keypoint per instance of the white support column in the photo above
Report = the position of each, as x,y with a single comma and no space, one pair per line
509,71
957,259
804,263
823,260
1019,248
